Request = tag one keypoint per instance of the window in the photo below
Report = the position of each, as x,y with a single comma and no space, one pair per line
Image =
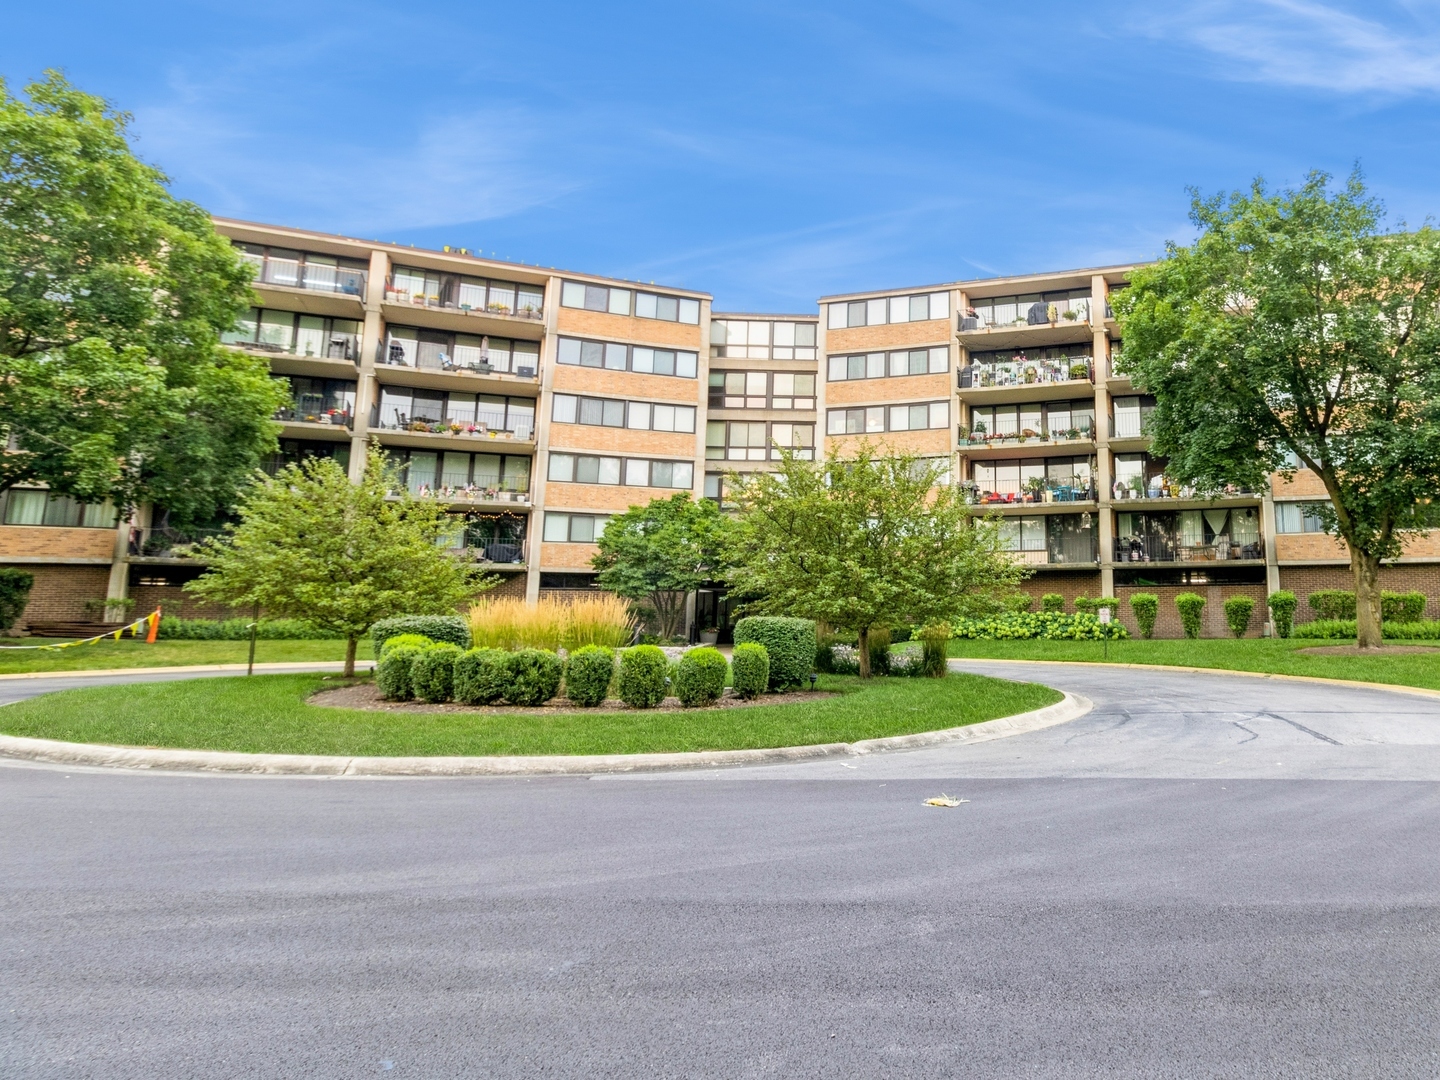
1031,309
306,270
609,412
931,414
561,528
1130,416
575,294
437,350
301,335
743,440
402,408
33,506
616,357
760,390
756,340
1295,517
1072,479
1023,534
880,365
322,401
294,451
411,284
1053,419
895,309
429,471
584,469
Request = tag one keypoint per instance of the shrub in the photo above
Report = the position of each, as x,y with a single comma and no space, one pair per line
534,677
392,673
1402,607
1110,602
176,629
1146,606
481,676
1282,611
451,628
642,676
15,586
1084,605
1037,626
1018,602
1238,610
601,618
789,643
1343,629
1190,605
407,641
907,661
932,658
700,677
1052,601
750,669
432,673
1333,604
878,645
588,674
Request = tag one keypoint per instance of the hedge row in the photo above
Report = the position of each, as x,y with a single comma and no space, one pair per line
1344,629
1333,604
1038,626
174,628
454,629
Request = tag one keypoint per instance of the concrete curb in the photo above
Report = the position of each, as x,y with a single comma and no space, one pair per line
277,667
1071,707
1397,688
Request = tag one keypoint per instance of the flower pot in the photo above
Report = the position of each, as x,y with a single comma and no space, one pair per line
709,637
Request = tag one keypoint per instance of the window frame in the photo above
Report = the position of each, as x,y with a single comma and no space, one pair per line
629,357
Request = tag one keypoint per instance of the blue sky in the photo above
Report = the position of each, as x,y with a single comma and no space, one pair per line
767,152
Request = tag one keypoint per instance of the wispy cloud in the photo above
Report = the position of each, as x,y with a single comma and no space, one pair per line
1309,44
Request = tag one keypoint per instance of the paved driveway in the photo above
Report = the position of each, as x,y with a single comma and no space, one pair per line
1133,894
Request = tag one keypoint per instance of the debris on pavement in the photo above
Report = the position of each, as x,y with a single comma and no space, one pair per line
944,800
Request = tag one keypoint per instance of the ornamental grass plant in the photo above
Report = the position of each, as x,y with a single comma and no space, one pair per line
511,623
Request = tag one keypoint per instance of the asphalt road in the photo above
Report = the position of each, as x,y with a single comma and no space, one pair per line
1207,876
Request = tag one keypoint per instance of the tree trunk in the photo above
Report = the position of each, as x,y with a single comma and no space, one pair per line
863,649
669,610
350,644
1368,633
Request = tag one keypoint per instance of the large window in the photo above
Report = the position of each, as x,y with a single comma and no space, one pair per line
404,409
320,401
883,365
917,307
1068,479
33,506
1054,419
742,440
1298,517
1189,535
564,528
1030,309
632,472
610,412
614,356
1131,413
410,346
300,335
1022,367
643,305
878,418
761,390
306,269
295,451
755,339
1052,538
411,284
431,472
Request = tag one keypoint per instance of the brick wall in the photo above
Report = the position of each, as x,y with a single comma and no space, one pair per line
60,593
174,600
511,586
1303,580
1212,621
1068,583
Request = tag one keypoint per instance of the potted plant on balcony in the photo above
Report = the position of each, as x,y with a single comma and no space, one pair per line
1079,370
1137,485
1033,487
1030,374
1069,315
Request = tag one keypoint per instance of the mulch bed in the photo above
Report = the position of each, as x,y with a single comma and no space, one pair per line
1355,650
366,696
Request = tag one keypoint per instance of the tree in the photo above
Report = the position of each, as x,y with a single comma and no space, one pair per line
661,552
311,545
1295,326
865,541
113,296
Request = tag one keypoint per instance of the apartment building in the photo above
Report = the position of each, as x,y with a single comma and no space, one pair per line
537,403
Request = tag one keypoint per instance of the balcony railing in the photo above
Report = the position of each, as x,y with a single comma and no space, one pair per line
164,542
316,277
294,414
1074,312
1056,493
483,427
1162,548
981,438
338,347
519,310
1026,373
1069,555
430,356
1162,488
494,552
486,491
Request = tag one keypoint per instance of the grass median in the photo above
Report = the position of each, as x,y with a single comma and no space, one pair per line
1273,656
269,714
128,653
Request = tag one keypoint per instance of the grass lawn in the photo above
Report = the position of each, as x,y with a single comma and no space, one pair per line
130,653
268,714
1271,655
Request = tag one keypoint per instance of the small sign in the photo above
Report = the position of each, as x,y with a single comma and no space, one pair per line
1104,616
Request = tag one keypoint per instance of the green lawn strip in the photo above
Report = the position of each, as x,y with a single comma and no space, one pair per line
1270,655
268,714
128,653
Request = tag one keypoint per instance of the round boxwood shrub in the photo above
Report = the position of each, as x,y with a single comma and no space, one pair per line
790,644
1052,601
407,641
534,677
1190,605
481,676
750,669
588,674
1145,605
1282,611
452,628
700,678
432,673
392,673
642,676
1237,614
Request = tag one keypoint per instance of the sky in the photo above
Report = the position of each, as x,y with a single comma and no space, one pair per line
768,153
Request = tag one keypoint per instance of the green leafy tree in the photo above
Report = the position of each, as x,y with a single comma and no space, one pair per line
662,551
311,545
1295,328
113,297
865,541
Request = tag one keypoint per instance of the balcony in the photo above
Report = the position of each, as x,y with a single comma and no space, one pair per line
1023,442
1039,322
457,301
480,429
1024,371
294,414
1170,549
166,543
514,554
312,277
1054,493
459,359
490,491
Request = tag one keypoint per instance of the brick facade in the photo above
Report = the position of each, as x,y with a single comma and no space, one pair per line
60,593
1212,620
1303,580
1068,583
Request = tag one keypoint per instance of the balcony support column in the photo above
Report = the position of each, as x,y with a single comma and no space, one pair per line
1267,529
367,390
118,587
1104,473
